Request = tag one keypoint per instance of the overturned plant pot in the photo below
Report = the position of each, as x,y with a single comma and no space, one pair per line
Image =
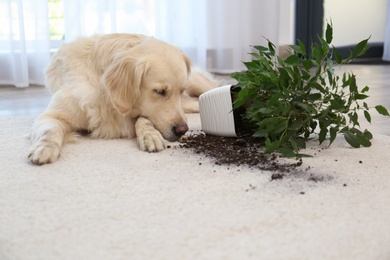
217,115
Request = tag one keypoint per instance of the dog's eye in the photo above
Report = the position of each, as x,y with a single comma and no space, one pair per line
161,92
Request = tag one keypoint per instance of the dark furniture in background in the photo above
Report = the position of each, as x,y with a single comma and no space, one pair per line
309,21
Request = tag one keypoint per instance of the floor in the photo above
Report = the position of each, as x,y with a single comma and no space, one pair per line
29,101
33,100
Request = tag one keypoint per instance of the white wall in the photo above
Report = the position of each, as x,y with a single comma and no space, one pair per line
355,20
287,22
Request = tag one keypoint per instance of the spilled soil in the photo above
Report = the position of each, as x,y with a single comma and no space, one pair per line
240,151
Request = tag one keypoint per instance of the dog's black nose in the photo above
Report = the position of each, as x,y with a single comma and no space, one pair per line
180,130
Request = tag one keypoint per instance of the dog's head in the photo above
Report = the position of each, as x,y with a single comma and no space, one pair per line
148,80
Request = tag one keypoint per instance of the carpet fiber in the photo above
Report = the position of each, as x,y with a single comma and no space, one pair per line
105,199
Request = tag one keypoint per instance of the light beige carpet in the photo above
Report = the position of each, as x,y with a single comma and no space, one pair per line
105,199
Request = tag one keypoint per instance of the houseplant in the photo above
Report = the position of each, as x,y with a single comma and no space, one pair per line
290,101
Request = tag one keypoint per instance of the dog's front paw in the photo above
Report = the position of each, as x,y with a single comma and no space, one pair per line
151,141
149,138
42,153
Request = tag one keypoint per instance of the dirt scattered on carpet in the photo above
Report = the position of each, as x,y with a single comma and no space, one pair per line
240,151
247,152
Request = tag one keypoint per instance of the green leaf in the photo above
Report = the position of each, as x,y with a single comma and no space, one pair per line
284,75
306,107
337,55
260,48
301,143
274,99
292,60
271,47
271,146
367,134
296,49
322,135
280,127
360,96
382,110
333,133
365,89
364,141
260,133
294,145
305,75
367,116
352,139
335,104
329,33
308,64
256,55
313,97
313,125
241,77
355,131
302,47
265,110
360,48
297,125
353,116
324,44
242,97
252,65
273,78
318,53
317,86
352,83
287,151
330,77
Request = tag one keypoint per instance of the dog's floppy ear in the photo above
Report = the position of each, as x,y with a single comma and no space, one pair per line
122,80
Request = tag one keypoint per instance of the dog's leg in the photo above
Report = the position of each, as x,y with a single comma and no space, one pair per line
190,104
198,83
47,138
148,138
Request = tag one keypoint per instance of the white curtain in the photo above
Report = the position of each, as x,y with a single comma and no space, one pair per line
24,42
386,47
215,34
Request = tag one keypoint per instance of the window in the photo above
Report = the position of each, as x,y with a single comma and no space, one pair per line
56,23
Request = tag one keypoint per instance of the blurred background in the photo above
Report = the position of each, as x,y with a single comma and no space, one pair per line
216,34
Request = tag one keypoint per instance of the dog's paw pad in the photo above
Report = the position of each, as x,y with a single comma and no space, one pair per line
43,153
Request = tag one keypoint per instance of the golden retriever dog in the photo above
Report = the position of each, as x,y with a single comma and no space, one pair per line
117,86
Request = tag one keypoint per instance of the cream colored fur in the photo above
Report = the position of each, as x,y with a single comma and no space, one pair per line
117,86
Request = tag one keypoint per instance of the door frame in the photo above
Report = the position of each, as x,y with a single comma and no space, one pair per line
309,21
